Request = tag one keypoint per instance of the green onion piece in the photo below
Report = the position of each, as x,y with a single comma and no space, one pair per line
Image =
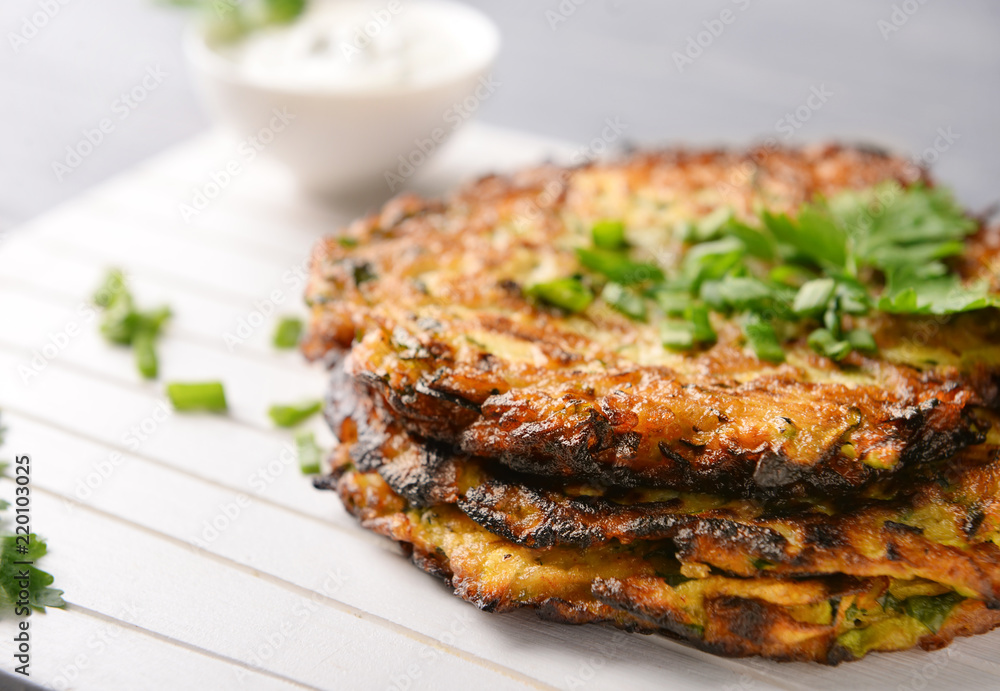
825,343
291,415
120,323
814,296
618,267
737,293
346,241
702,330
111,290
676,335
931,610
626,301
608,234
197,396
287,333
144,350
862,340
670,301
309,453
569,294
762,339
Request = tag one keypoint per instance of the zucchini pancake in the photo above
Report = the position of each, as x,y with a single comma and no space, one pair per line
748,400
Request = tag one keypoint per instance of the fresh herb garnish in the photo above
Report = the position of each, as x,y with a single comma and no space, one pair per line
291,415
857,252
123,324
309,452
40,594
19,554
569,294
287,333
762,338
617,267
609,235
625,300
208,396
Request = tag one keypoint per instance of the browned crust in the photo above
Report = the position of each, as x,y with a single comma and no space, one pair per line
744,537
577,407
739,617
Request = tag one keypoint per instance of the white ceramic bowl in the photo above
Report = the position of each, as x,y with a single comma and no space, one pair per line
339,140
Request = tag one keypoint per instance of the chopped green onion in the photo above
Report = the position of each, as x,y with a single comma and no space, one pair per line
626,301
309,453
111,290
862,340
347,241
123,324
825,343
701,326
291,415
677,335
736,292
287,333
197,396
569,294
144,350
671,301
814,296
609,235
762,338
618,267
683,335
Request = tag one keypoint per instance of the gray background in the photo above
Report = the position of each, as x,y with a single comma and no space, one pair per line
565,67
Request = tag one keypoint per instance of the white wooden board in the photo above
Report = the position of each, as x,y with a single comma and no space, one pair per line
192,552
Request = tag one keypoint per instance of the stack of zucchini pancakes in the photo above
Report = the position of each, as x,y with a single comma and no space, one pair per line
745,399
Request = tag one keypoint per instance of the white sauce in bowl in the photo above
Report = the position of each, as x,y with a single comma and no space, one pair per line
363,45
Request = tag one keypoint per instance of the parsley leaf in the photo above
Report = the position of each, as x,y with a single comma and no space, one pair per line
38,582
618,267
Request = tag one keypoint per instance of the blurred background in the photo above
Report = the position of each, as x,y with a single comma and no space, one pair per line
917,76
